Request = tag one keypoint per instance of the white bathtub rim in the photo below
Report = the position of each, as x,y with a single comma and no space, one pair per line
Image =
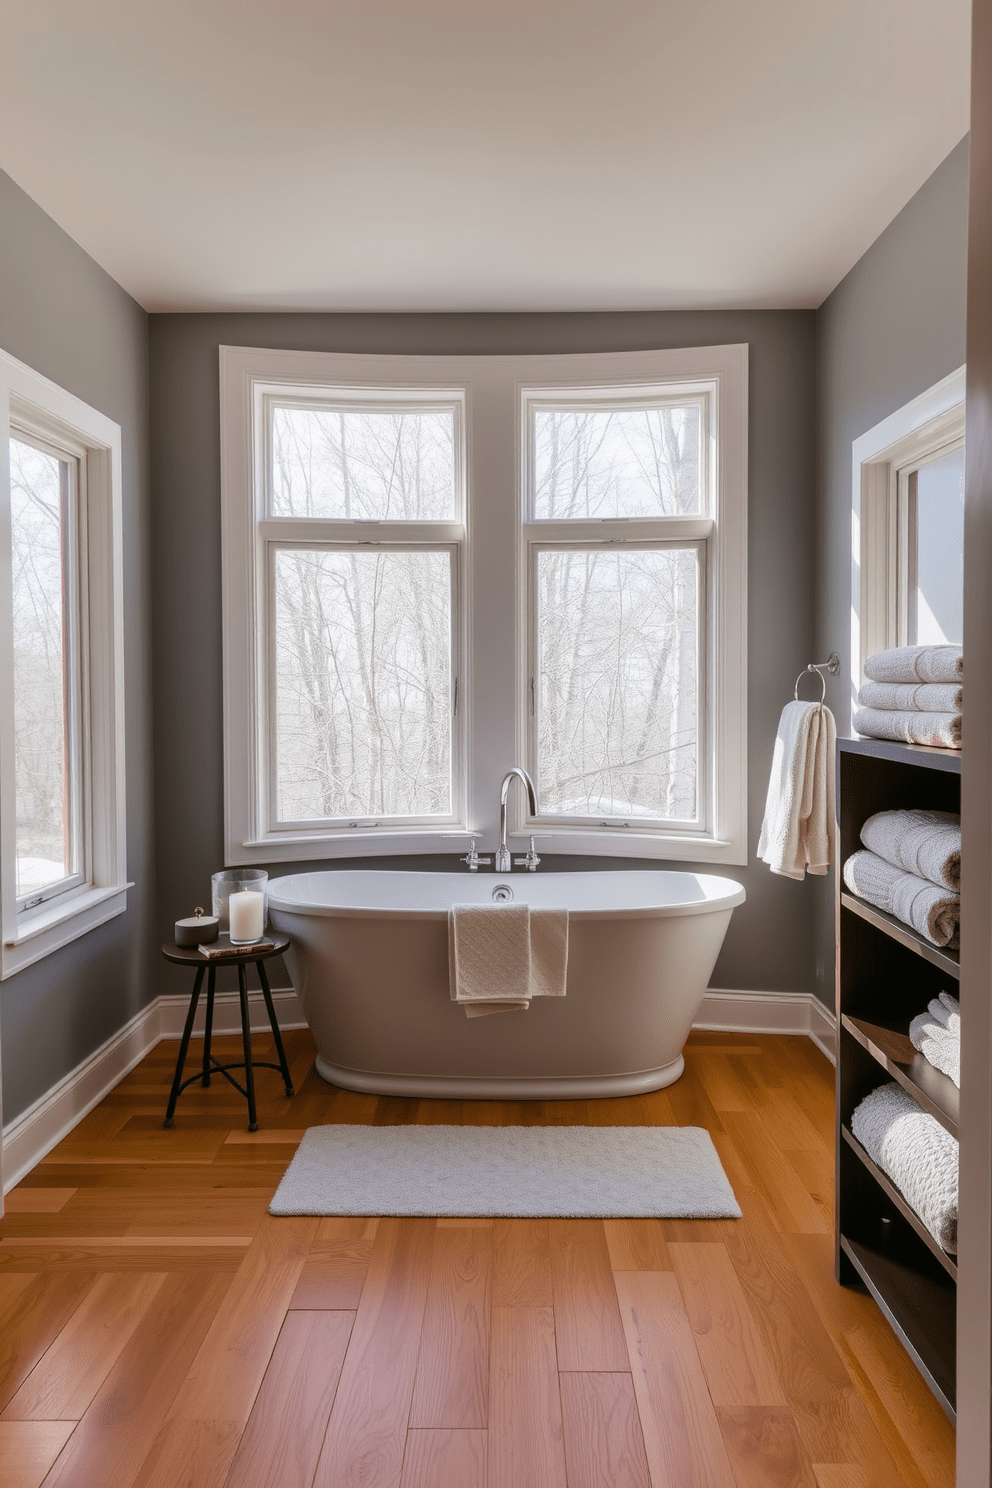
733,895
501,1087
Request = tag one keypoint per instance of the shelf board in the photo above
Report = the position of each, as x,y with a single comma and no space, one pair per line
921,1310
948,961
899,1200
928,755
890,1045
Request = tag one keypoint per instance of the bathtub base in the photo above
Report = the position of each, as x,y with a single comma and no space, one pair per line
500,1087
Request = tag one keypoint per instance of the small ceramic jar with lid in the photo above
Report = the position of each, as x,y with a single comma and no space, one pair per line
200,929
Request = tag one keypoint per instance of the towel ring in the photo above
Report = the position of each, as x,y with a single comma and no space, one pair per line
831,665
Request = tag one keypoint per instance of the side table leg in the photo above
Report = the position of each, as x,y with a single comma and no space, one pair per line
208,1029
184,1046
246,1040
267,994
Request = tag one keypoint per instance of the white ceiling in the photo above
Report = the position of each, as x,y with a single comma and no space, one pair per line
478,154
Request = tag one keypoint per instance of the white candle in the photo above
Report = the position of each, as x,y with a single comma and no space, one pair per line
247,916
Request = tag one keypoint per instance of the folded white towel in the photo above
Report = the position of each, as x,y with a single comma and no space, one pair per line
918,1155
930,910
927,843
939,1047
916,664
919,697
799,826
502,955
943,730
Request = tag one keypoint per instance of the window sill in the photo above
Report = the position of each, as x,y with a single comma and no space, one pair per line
39,934
605,843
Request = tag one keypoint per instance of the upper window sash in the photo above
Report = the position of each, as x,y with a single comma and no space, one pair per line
404,427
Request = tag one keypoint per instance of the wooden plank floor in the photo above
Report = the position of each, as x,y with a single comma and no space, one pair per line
159,1328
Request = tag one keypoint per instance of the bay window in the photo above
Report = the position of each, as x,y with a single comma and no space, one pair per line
438,567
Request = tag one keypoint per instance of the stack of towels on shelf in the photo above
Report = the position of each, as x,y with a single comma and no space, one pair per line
913,696
937,1035
910,866
917,1153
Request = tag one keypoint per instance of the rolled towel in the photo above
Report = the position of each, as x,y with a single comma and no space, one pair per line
938,1047
927,843
903,697
947,1011
942,730
918,1155
916,664
931,911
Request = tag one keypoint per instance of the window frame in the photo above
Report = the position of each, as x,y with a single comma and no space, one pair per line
883,458
37,410
492,720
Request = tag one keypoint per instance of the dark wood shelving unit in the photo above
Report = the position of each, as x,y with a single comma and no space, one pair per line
886,974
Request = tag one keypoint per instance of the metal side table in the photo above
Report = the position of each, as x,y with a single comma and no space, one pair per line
191,956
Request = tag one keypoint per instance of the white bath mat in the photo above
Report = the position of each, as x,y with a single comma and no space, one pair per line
646,1172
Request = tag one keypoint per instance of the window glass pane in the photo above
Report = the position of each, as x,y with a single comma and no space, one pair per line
936,600
361,464
44,847
363,684
622,462
617,679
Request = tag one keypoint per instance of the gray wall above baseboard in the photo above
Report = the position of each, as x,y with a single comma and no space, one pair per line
769,944
66,318
893,327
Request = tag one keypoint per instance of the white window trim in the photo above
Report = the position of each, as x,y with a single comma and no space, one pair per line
29,935
493,719
912,434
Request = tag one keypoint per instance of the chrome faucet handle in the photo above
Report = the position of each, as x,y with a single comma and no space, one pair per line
472,859
531,860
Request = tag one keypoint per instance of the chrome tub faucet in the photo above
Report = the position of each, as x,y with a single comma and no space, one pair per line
503,860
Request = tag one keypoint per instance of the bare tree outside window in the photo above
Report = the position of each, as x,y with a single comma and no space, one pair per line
616,463
362,692
617,666
359,464
617,623
363,684
37,496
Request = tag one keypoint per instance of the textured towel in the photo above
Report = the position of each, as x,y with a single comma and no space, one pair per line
921,697
799,826
500,956
930,910
946,1010
917,1153
916,664
938,1046
927,843
940,729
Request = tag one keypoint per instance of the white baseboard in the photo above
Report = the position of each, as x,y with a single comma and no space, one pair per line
33,1134
769,1012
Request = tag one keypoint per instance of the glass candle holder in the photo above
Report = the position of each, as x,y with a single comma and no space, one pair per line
250,909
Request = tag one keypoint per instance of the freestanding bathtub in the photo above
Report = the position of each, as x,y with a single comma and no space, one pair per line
369,960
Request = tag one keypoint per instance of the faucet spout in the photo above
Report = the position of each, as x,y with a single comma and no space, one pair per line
503,860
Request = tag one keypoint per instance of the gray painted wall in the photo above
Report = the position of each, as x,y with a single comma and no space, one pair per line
893,327
769,946
64,316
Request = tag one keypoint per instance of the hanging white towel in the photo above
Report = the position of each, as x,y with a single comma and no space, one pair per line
799,828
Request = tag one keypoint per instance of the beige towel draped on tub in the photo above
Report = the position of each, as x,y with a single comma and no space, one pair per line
502,955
